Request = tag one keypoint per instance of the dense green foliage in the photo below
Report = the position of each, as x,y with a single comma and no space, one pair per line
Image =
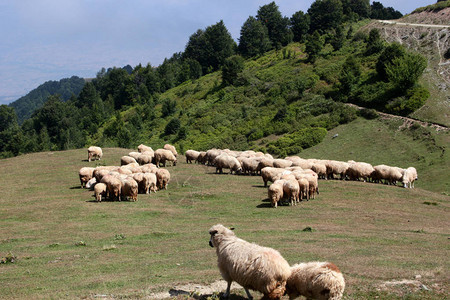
27,104
209,96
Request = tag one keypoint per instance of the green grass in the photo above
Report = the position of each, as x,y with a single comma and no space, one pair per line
374,233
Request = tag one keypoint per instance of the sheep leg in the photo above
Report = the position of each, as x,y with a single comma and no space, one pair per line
249,296
227,293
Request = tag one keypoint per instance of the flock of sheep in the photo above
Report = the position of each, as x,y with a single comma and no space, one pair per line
136,173
294,178
265,270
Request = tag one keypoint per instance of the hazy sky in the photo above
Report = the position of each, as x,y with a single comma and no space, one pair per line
53,39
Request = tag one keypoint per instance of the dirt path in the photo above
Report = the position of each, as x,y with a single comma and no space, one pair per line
412,24
407,122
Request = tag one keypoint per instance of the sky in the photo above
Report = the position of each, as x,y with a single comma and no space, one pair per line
46,40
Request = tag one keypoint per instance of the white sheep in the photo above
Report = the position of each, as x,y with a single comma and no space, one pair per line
91,183
100,191
163,155
191,155
409,176
252,266
271,174
85,174
94,152
316,280
143,148
162,178
275,192
291,190
226,161
282,163
171,149
125,160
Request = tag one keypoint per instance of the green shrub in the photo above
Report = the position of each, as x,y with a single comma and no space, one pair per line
294,143
172,127
368,113
413,100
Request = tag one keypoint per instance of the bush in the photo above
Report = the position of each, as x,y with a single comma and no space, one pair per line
169,107
294,143
172,127
405,71
368,113
413,100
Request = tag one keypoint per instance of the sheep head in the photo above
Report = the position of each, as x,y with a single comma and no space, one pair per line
218,233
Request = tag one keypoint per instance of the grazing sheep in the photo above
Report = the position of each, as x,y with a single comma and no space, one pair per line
113,186
201,159
316,280
252,266
91,183
211,154
291,190
134,155
226,161
94,153
300,162
335,167
272,174
100,191
282,163
129,189
191,155
358,170
148,168
85,174
150,181
275,192
143,148
144,159
304,189
321,169
171,149
409,177
265,162
163,155
125,160
390,174
139,178
162,178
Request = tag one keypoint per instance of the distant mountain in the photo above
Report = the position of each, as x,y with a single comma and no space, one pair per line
26,105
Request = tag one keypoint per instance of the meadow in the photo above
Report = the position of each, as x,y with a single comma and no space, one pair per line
66,246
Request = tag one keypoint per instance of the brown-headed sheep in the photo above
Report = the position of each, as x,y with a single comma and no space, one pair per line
85,174
100,191
409,176
275,192
162,156
191,155
315,280
162,178
94,152
252,266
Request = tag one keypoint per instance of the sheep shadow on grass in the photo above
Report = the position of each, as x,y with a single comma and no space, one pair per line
77,187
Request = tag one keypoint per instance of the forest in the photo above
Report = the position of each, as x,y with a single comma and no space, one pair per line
279,89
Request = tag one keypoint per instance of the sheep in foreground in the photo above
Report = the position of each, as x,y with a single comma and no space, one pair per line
291,190
252,266
129,189
409,176
94,152
100,191
113,186
316,280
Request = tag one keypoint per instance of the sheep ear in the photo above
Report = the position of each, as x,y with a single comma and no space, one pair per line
231,228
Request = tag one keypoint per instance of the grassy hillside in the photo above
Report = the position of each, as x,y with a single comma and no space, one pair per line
67,246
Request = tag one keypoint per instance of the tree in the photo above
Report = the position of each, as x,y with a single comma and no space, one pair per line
378,11
391,52
349,77
374,42
210,47
361,8
172,127
300,26
169,107
314,45
232,67
406,70
254,39
338,40
325,14
277,26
